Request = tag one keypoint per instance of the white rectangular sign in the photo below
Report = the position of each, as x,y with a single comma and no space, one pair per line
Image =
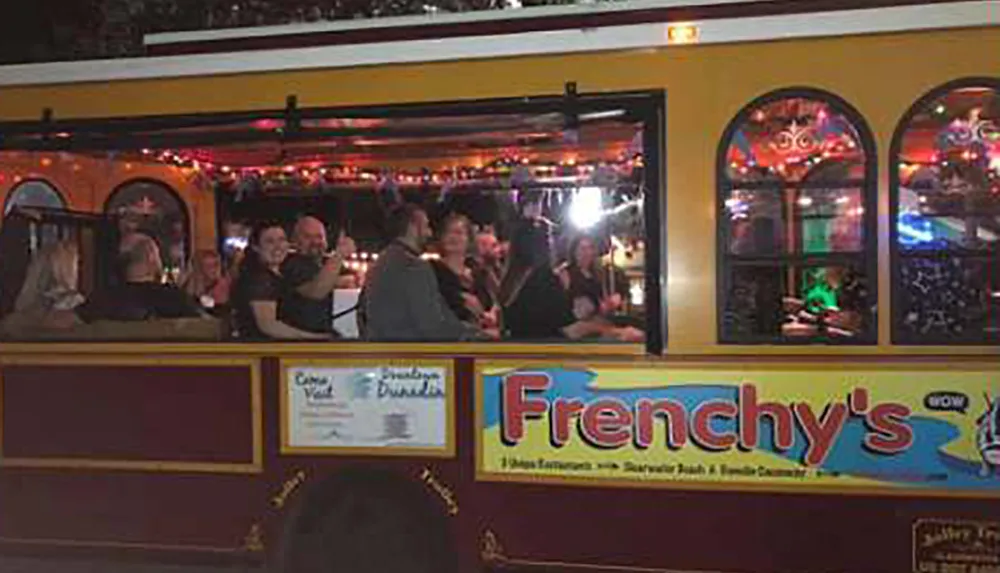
379,407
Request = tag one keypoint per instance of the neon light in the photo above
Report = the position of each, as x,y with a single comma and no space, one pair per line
916,235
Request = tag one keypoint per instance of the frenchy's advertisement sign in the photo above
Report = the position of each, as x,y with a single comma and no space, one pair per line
873,429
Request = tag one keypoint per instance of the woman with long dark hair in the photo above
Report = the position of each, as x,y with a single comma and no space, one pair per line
257,293
535,305
586,282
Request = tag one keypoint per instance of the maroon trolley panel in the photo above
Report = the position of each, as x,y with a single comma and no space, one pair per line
204,414
137,456
137,413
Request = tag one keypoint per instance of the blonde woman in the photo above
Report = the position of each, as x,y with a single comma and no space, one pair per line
49,295
206,280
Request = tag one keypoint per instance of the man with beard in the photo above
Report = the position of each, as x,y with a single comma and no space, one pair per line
487,267
401,301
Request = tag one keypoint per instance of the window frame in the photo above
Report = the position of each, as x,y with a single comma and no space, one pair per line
896,255
9,206
868,255
184,207
117,133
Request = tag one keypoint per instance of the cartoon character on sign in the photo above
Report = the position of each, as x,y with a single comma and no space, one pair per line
988,435
361,385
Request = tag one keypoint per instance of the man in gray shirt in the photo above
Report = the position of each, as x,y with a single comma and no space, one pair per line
401,301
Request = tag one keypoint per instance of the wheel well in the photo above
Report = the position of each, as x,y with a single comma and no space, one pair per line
366,520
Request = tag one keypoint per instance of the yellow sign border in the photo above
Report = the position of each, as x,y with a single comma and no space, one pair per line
448,451
481,475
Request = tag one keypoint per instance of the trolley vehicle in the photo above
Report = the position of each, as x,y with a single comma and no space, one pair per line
789,214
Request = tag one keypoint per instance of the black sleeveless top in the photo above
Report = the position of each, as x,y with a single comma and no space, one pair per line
582,286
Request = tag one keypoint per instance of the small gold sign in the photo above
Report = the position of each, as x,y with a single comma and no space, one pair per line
946,546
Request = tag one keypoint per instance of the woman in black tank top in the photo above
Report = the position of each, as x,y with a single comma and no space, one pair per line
584,281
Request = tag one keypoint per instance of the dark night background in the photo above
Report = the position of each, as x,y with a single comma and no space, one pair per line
57,30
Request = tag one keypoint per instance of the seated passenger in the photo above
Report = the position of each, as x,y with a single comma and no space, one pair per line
49,295
487,267
585,281
401,299
142,294
310,275
257,295
535,306
455,278
206,281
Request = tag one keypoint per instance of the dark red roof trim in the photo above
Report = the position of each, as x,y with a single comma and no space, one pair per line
521,25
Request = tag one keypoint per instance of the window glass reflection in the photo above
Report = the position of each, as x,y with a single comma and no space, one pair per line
795,217
948,219
798,301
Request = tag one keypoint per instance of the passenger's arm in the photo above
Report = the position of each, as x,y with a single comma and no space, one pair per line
603,330
589,327
265,314
324,283
563,274
431,313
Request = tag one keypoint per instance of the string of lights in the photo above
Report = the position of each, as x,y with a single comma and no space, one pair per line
510,167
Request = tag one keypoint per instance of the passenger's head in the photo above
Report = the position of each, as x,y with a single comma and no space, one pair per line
54,268
139,258
409,223
269,245
453,235
583,252
129,224
205,271
208,264
309,237
487,247
530,203
531,245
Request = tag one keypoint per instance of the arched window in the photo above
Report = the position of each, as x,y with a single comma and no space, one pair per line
155,209
33,193
797,226
946,204
37,193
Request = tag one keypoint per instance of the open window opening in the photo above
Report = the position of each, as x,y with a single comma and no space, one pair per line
556,189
